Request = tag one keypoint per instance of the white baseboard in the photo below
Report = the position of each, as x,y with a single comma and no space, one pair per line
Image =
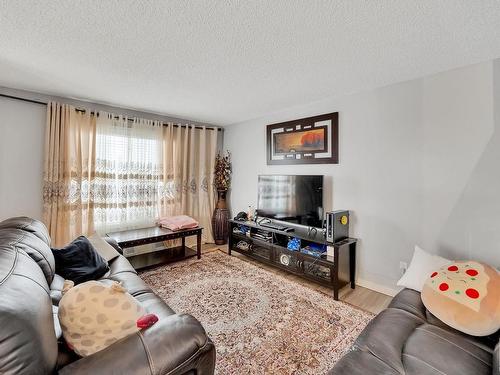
387,290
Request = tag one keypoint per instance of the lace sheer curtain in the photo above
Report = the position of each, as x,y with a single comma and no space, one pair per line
129,172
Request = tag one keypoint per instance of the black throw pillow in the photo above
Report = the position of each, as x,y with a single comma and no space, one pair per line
79,261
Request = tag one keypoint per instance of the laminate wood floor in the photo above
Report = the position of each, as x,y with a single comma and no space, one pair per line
365,299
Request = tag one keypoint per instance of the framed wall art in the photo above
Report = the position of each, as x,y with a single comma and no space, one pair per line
311,140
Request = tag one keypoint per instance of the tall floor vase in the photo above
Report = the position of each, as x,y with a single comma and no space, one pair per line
220,218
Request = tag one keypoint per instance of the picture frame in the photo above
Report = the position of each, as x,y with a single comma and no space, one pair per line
310,140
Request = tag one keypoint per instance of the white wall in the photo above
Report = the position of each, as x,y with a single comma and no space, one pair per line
461,152
22,129
395,142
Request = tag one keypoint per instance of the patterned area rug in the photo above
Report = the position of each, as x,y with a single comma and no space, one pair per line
261,323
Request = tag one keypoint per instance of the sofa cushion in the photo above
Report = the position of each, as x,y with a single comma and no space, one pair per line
496,360
56,288
28,343
430,348
409,345
385,336
29,225
79,261
410,301
357,362
32,244
57,324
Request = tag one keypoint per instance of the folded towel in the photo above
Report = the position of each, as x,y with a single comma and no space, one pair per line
177,222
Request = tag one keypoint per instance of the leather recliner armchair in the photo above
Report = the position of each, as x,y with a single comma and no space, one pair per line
407,339
30,335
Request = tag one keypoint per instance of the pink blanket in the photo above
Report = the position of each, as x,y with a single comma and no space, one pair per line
177,222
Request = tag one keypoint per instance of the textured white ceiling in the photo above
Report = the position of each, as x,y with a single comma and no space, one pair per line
223,62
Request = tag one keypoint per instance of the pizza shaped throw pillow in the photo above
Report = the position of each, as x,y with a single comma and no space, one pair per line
466,296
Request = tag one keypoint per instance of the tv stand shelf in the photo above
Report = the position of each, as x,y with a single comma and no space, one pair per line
333,271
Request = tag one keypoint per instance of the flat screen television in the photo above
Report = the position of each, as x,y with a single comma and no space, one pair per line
293,198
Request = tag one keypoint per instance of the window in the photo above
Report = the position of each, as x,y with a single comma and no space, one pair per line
128,180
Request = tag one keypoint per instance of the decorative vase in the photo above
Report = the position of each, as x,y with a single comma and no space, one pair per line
220,219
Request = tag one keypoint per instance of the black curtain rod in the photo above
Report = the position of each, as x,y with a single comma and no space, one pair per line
92,113
96,113
23,99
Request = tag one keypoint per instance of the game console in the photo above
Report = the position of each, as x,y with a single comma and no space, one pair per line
337,226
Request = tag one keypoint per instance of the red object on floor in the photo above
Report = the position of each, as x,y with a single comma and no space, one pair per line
146,321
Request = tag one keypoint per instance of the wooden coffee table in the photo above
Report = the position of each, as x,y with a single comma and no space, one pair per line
135,245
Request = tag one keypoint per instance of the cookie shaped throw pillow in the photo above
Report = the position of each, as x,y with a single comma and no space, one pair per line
465,296
94,315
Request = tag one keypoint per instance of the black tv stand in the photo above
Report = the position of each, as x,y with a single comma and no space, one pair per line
333,271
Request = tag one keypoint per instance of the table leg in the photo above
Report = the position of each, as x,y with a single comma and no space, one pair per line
198,245
336,273
230,238
352,264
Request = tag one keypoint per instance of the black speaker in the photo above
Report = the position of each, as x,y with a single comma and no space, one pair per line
337,226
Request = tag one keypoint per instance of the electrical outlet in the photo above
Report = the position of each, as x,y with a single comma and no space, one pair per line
403,266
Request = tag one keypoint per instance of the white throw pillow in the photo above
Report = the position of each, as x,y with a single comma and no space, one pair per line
421,266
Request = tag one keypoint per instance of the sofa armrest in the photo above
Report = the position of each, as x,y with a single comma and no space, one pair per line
496,359
174,345
357,362
113,243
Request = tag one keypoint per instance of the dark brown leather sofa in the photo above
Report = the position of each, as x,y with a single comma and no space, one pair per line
30,336
407,339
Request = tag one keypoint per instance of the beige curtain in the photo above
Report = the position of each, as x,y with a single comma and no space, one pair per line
188,172
69,169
